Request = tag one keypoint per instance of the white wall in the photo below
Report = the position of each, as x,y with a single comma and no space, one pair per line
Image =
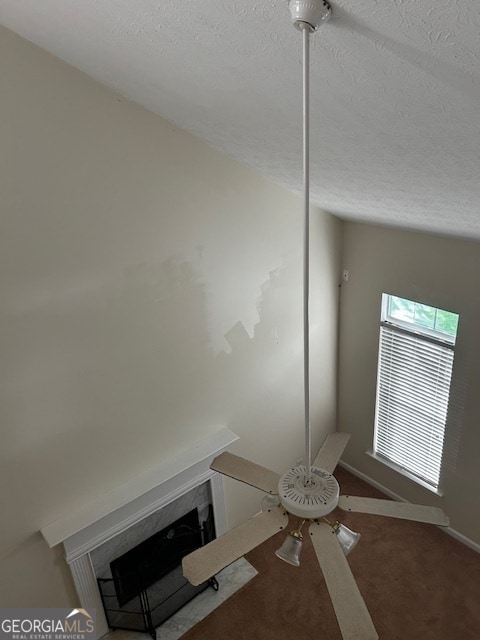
151,292
440,272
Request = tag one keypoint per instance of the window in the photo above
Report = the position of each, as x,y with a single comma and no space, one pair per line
415,365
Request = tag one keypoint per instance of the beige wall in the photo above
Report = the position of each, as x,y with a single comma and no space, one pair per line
151,293
440,272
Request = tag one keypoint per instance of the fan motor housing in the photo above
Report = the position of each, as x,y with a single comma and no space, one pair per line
308,497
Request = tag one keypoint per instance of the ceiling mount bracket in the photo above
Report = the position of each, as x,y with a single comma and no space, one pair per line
310,13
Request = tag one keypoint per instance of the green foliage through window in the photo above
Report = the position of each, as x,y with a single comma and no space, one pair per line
423,315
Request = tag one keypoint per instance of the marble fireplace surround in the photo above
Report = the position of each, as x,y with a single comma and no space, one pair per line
85,529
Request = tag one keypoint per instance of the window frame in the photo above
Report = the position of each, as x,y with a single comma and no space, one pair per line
423,334
439,337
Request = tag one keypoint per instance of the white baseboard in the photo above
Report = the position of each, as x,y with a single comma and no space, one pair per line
451,532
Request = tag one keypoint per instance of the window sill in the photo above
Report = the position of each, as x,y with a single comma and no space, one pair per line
404,472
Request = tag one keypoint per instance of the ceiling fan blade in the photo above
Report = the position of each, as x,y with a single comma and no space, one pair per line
393,509
352,614
246,471
331,451
206,561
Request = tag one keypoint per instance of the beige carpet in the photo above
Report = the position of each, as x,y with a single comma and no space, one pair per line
417,581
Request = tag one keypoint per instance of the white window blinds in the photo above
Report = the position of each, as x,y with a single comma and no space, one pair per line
413,387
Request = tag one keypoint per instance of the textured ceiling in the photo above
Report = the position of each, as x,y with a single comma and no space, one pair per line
395,91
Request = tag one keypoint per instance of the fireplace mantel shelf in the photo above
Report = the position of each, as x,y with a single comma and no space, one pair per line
137,488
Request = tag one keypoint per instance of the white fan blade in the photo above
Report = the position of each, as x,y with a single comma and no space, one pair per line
246,471
331,451
352,614
205,562
392,509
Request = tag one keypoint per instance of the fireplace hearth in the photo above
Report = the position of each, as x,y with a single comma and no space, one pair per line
147,585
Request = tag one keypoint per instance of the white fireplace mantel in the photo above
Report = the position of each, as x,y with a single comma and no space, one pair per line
86,528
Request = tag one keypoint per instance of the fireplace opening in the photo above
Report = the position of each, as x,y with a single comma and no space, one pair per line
155,557
147,584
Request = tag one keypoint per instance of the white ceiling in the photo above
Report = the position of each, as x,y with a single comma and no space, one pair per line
395,91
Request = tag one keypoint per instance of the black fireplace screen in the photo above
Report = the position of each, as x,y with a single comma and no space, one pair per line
147,584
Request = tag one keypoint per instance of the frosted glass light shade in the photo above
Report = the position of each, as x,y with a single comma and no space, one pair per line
290,550
347,538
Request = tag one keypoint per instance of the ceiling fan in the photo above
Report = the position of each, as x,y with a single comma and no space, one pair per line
309,491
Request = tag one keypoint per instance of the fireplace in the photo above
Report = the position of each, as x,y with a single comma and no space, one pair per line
95,535
147,585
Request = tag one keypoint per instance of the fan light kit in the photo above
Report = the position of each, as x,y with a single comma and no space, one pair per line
308,491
